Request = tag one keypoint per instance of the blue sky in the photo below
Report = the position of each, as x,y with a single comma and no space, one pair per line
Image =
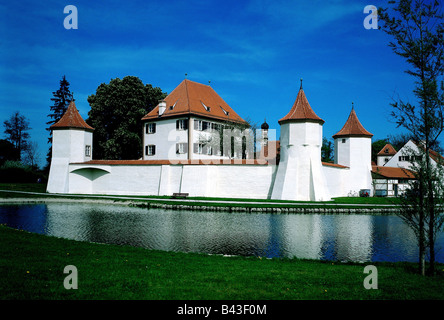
253,52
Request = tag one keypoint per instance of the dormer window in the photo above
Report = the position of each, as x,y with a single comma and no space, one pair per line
172,107
206,107
225,111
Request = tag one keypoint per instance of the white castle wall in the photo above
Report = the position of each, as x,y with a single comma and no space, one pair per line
229,180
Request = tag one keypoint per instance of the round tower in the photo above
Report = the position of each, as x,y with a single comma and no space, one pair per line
72,141
300,175
353,147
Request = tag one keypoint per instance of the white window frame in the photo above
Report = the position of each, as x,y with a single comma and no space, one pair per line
87,151
180,147
182,124
151,128
150,150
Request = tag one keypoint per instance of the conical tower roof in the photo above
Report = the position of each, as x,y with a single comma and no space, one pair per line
353,127
301,111
71,119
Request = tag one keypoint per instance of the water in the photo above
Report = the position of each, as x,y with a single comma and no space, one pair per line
325,237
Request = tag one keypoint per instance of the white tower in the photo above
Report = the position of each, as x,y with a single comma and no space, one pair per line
71,142
353,148
299,175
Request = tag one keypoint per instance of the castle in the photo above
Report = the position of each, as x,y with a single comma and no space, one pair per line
180,154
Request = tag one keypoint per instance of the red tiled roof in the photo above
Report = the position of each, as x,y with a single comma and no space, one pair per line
301,111
388,150
329,164
71,119
393,172
192,98
173,162
352,128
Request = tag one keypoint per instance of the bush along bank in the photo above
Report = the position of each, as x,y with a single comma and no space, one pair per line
249,208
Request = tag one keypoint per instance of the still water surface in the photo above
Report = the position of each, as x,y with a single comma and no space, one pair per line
326,237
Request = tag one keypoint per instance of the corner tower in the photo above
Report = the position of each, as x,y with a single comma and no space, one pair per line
71,142
299,175
353,147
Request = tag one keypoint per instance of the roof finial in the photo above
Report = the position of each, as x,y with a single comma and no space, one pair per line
186,75
209,82
301,84
353,105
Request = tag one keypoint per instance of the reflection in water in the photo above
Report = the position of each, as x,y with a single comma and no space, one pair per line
327,237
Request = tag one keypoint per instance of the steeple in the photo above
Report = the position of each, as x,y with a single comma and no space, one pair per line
353,127
301,111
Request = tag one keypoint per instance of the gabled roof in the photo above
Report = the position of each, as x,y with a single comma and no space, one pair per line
388,150
393,172
353,128
192,98
71,119
301,111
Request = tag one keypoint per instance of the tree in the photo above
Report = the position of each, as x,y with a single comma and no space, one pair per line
31,155
16,131
7,152
376,147
61,99
116,112
327,150
417,27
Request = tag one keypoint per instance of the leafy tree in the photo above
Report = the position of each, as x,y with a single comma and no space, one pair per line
376,147
61,99
16,130
7,152
116,112
417,28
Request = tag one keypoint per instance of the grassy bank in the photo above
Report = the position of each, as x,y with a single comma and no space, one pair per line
39,191
32,267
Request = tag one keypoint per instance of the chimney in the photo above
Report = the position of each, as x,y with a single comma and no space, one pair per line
162,107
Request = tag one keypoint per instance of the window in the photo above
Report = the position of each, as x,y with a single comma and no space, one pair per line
206,107
182,124
198,148
181,148
88,151
215,126
209,150
410,158
150,128
202,125
386,150
225,111
343,140
150,150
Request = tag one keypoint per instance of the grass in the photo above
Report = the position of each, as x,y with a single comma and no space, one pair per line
34,264
346,202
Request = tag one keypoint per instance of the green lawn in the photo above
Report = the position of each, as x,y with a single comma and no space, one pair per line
32,268
41,188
